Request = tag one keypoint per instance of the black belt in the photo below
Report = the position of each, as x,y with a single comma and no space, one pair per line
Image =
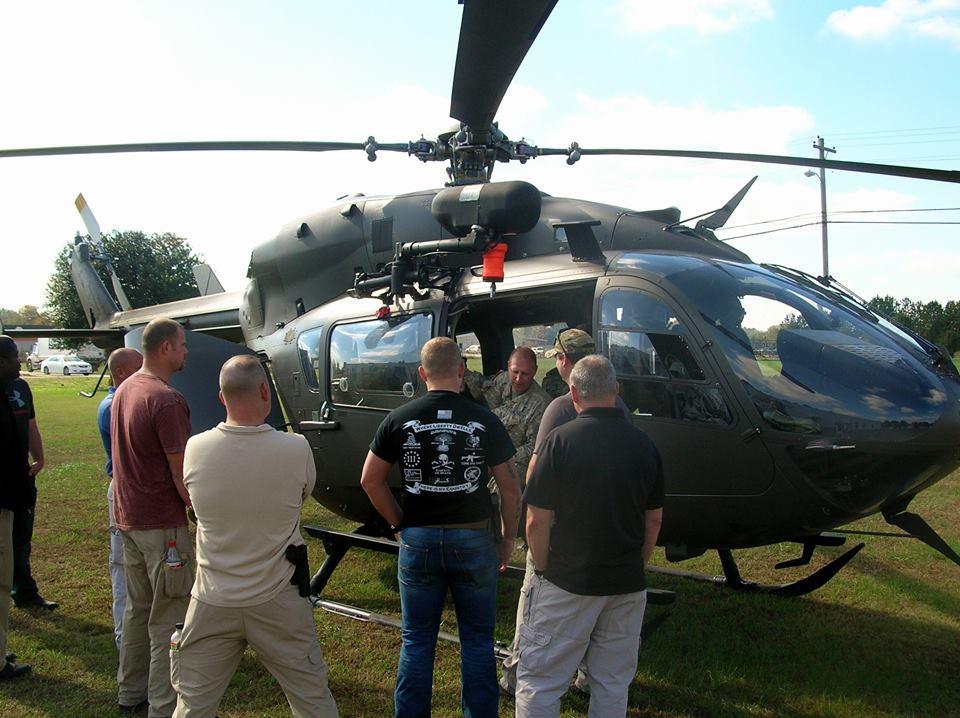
484,524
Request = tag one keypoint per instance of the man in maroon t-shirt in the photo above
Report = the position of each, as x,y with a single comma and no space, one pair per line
149,428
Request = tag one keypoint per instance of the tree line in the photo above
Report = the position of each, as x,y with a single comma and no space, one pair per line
939,323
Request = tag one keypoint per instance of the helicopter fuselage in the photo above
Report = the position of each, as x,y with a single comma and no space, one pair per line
844,418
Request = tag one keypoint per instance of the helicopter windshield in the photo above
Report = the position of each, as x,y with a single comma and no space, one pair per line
809,364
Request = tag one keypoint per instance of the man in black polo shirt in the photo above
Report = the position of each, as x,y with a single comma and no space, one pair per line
594,506
445,444
14,490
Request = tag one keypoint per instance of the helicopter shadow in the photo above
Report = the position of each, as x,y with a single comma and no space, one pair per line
723,654
944,602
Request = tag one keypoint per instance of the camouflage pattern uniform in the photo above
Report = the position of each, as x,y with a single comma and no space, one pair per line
554,384
520,413
521,416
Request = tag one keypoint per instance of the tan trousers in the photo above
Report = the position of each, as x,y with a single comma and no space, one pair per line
282,632
560,630
157,598
6,575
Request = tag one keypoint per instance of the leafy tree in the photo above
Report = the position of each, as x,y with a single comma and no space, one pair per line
153,269
936,322
27,315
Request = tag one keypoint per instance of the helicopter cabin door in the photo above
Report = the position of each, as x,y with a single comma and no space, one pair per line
371,369
675,394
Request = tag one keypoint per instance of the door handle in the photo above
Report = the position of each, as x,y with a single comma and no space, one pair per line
319,425
826,446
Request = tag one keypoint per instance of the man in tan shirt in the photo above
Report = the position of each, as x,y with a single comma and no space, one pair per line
247,483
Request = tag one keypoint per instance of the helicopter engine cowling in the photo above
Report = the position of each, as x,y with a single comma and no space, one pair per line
500,207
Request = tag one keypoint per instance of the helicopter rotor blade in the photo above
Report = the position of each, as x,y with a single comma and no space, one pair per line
495,36
229,146
922,173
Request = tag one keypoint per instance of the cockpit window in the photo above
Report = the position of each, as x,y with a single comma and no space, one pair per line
310,348
374,363
658,373
808,364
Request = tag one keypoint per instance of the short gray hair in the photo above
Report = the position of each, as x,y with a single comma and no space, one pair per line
241,376
594,378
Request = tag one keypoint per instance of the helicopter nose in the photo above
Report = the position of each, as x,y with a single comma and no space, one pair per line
863,472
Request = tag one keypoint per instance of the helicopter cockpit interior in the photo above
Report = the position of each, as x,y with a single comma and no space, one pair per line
498,324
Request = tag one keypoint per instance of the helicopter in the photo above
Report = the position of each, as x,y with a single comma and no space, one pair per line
842,414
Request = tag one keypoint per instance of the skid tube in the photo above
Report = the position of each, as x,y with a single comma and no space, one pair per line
337,543
731,577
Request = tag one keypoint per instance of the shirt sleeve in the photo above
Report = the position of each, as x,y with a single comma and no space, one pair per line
27,397
383,444
172,424
655,500
501,446
541,489
310,471
103,423
550,420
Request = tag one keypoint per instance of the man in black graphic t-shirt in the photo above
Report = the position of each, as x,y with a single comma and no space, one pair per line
445,445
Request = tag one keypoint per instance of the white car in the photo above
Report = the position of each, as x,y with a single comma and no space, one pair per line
65,364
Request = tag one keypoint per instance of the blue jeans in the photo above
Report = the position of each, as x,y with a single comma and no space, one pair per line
465,561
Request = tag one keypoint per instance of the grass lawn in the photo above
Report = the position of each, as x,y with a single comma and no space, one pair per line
880,640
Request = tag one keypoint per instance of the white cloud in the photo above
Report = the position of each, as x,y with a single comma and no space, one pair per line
708,17
933,18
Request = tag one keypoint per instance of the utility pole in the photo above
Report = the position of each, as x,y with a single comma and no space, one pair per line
823,203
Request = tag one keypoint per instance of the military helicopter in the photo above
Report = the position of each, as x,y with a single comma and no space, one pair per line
847,415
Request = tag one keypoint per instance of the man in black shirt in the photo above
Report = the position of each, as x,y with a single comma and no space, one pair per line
14,492
25,593
594,508
445,444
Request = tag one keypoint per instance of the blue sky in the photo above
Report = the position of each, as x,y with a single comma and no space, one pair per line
876,79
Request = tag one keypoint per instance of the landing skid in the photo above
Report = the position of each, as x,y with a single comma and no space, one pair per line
337,543
731,577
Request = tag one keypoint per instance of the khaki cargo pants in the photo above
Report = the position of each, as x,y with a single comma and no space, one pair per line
282,632
157,598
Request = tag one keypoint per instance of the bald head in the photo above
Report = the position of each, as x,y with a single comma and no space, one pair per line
8,347
122,363
241,377
9,360
244,391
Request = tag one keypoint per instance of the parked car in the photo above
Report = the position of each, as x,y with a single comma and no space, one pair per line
65,364
43,350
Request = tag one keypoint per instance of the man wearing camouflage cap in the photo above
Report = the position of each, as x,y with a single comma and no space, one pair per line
574,343
571,346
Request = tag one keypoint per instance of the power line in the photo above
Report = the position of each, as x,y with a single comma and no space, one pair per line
831,221
845,211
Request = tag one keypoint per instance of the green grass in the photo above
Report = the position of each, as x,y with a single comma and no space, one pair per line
881,640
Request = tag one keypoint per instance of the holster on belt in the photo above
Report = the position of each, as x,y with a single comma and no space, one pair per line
297,555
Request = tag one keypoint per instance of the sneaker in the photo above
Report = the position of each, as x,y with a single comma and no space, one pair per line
13,670
38,602
140,707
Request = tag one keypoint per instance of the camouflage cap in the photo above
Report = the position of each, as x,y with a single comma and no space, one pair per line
572,341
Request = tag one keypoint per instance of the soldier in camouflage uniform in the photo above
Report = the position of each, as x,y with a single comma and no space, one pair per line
554,384
516,399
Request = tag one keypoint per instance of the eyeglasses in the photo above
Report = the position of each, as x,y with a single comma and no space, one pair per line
563,349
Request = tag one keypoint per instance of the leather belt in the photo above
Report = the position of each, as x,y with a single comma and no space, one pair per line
484,524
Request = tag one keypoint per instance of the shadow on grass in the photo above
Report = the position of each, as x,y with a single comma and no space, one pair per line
73,660
730,655
934,598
